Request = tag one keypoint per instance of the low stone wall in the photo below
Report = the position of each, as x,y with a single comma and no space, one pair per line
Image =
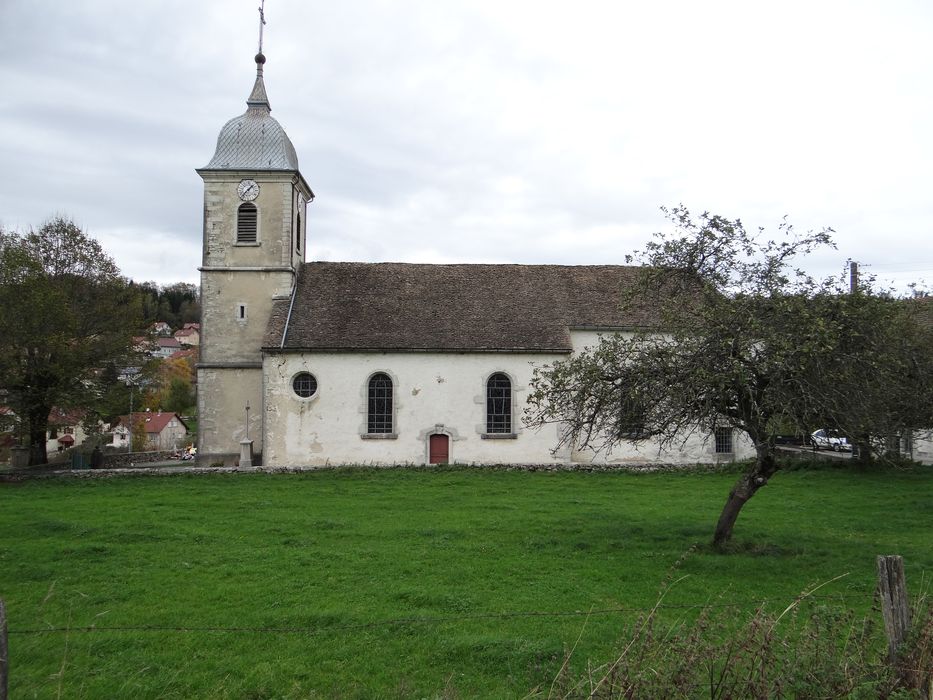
139,469
121,460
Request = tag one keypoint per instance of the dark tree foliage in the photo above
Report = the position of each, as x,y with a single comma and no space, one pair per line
67,314
180,397
176,304
746,340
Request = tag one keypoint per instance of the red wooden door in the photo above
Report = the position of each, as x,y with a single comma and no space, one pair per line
439,449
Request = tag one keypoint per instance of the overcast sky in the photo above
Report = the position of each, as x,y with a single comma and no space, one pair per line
480,130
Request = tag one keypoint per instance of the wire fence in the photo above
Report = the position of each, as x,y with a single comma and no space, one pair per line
748,603
888,598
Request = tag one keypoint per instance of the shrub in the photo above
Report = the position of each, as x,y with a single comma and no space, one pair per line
808,650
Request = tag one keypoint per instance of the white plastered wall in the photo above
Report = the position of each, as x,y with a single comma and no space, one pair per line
698,447
433,392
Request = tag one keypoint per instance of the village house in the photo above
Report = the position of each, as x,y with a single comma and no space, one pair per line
65,429
189,334
160,328
164,430
164,347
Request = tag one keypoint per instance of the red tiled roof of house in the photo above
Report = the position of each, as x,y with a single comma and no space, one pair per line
187,353
60,417
155,421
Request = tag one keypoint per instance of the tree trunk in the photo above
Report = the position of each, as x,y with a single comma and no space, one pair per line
746,487
863,453
38,425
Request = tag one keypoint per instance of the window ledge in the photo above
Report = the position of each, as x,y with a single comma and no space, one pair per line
499,436
379,436
247,245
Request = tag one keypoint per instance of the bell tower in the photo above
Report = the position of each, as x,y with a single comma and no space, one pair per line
255,201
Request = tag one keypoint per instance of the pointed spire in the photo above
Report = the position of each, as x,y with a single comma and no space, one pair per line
257,98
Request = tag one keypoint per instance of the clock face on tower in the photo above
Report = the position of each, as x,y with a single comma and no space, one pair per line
248,190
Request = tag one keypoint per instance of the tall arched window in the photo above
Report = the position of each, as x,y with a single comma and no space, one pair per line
247,223
379,419
499,404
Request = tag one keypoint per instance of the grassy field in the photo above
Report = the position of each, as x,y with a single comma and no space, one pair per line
408,583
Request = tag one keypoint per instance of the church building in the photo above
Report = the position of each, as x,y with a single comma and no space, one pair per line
329,363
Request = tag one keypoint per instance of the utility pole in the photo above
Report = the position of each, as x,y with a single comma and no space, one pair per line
129,423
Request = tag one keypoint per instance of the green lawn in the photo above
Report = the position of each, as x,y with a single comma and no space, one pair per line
403,583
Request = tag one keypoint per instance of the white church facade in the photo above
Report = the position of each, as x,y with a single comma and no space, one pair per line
379,363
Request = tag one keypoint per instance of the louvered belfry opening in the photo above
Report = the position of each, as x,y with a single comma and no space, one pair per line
247,223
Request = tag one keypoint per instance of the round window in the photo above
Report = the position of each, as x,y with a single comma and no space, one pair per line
304,384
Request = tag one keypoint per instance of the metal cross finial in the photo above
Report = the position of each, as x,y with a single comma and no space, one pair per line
247,419
262,21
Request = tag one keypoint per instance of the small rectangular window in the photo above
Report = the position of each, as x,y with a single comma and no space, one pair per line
241,312
723,441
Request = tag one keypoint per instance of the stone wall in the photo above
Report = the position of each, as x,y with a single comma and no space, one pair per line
119,460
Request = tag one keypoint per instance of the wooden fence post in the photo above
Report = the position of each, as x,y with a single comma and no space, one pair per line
4,653
894,605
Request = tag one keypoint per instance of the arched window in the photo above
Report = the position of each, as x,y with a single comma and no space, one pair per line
247,223
499,404
632,411
379,412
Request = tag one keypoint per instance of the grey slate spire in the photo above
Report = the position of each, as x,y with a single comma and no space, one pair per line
257,98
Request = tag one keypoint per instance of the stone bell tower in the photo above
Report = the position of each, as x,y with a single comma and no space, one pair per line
255,202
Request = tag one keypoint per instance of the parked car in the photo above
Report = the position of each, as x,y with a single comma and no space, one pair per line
823,439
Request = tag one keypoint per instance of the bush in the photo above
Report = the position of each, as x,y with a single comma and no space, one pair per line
825,651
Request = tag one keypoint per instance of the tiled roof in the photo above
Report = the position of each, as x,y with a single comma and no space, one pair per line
65,417
386,306
155,422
